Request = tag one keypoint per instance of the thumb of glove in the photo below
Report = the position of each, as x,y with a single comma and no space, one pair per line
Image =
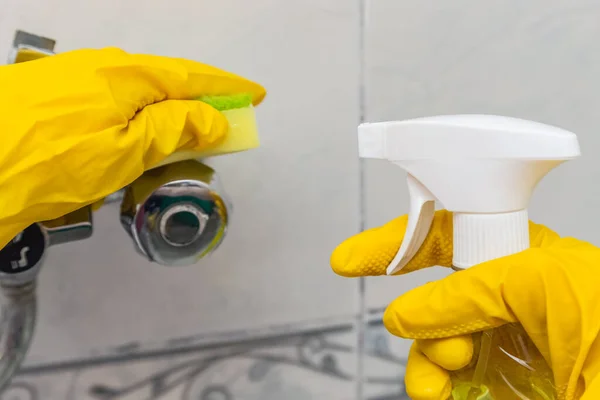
173,125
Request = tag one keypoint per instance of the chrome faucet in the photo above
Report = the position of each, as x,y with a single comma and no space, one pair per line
20,263
176,214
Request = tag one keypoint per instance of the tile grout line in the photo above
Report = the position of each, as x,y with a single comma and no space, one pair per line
361,319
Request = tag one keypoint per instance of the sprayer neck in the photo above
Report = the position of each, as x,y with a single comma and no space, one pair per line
484,237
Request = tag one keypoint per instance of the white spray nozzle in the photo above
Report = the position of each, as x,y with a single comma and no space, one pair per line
483,168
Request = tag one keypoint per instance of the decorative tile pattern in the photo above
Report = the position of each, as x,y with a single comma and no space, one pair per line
311,360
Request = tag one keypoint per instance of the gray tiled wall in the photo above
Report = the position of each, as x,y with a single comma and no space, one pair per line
265,318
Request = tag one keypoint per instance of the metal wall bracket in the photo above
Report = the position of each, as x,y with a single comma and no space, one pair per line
28,46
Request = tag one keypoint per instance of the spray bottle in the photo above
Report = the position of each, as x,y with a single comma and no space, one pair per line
484,169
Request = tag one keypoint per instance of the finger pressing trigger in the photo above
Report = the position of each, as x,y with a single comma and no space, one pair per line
366,254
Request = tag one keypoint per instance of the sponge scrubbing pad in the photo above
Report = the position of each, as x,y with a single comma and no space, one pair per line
223,103
242,134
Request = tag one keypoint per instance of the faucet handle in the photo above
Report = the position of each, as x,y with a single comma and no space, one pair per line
21,258
176,214
28,47
75,226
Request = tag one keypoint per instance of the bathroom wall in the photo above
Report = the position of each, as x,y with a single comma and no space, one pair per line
264,318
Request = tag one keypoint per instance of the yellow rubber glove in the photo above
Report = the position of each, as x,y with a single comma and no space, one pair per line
81,125
552,289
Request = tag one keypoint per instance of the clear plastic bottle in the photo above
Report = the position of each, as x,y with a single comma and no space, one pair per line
506,365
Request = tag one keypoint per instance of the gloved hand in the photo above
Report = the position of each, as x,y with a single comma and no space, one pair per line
81,125
552,289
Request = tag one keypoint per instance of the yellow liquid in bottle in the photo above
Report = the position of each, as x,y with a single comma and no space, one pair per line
506,365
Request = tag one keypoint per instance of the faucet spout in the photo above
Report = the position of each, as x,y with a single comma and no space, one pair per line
17,325
20,263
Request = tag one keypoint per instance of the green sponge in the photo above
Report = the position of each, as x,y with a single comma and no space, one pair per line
230,102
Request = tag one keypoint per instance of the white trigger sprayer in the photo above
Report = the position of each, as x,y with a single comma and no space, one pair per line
483,168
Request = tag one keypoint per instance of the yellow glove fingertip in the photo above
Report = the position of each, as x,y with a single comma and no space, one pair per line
258,93
424,379
367,254
451,354
370,253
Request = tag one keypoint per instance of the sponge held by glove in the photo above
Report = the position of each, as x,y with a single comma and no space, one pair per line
242,134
